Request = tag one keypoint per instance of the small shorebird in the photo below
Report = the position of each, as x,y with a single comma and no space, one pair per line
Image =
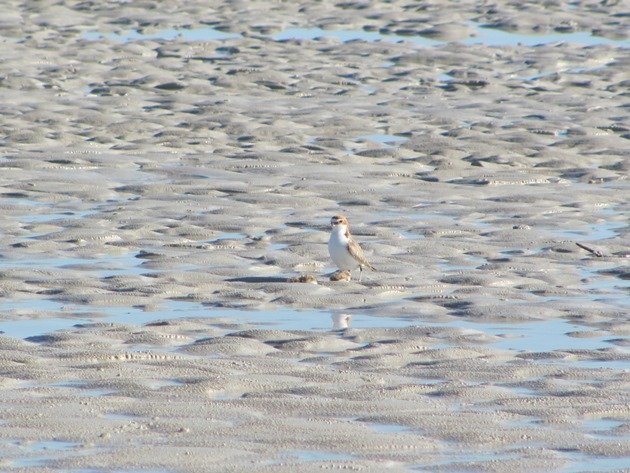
344,251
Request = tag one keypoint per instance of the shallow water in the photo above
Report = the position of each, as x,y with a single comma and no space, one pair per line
383,139
482,35
100,265
497,37
348,35
605,287
602,427
592,232
117,470
388,428
410,235
578,462
539,336
453,461
314,455
581,462
193,34
52,217
282,319
43,452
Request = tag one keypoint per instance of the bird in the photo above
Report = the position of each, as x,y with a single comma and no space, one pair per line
344,250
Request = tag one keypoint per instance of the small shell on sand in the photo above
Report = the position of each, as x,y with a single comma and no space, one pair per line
304,278
343,275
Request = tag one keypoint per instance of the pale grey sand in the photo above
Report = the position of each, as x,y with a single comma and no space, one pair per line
167,168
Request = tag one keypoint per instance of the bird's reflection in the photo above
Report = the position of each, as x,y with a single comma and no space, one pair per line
341,321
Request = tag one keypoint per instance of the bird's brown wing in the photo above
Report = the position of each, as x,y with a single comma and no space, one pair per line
357,253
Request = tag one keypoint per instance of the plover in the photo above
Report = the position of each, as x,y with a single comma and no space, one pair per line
344,251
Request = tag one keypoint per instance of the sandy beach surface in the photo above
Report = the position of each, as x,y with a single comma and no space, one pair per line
168,169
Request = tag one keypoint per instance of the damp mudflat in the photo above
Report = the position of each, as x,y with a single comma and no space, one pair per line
167,178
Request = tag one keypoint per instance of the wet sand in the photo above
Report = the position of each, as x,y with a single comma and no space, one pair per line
167,169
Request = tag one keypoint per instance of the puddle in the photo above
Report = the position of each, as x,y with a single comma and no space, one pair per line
540,336
610,209
194,34
602,428
383,139
446,78
117,470
103,263
341,321
463,462
281,319
53,445
523,391
35,327
44,452
278,246
623,365
229,236
593,232
573,70
550,335
411,235
291,319
120,417
527,423
157,384
388,428
605,287
349,35
483,35
36,306
484,461
471,262
496,37
100,266
52,217
86,390
369,89
317,456
598,286
581,462
23,200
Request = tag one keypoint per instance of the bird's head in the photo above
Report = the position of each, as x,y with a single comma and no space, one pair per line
338,220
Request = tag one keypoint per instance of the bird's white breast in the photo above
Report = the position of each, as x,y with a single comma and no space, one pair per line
338,249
